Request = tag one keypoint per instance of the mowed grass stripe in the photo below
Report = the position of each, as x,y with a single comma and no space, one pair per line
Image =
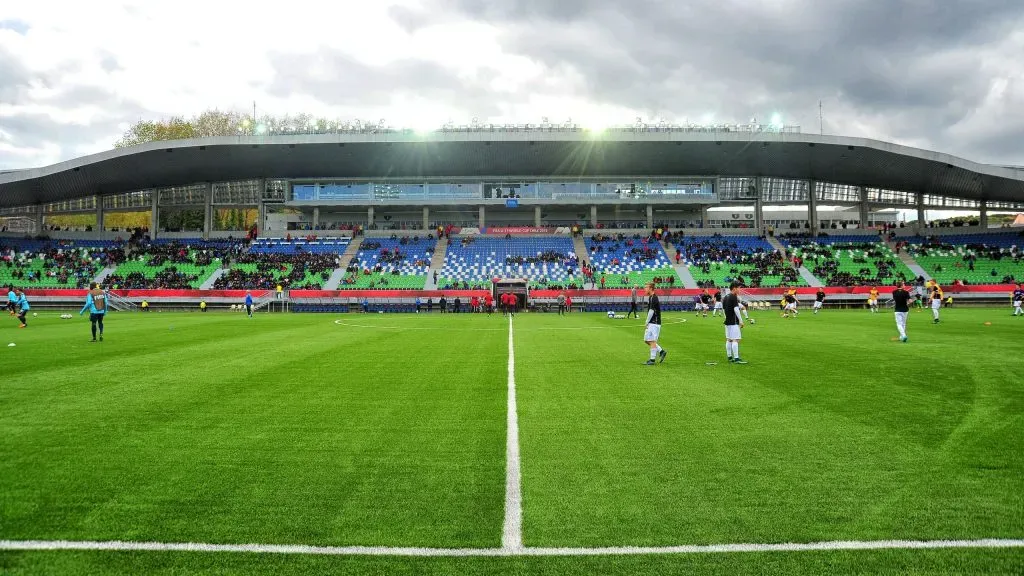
286,428
832,432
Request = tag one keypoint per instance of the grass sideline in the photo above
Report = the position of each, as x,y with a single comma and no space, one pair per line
390,430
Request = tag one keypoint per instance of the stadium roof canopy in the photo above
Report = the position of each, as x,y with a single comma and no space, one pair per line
523,154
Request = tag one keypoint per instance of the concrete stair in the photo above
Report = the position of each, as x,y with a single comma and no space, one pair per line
436,263
684,274
909,261
208,284
775,243
104,273
335,280
350,252
580,247
811,279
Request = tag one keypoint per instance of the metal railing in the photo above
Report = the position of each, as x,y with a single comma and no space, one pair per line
120,303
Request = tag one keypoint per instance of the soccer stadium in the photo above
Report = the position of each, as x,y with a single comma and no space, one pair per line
373,351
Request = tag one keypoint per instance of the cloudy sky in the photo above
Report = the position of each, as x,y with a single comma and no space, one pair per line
941,74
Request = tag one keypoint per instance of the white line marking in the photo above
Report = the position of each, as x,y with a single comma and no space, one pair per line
512,530
340,322
120,546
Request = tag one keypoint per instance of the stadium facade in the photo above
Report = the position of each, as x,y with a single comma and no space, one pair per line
515,176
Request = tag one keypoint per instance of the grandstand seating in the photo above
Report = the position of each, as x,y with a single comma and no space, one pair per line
971,259
719,260
171,264
628,261
280,246
377,265
546,261
51,263
850,260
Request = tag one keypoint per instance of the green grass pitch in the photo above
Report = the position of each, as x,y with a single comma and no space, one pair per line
389,430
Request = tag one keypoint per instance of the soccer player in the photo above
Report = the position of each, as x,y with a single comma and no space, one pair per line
705,302
936,302
1018,300
12,300
873,300
718,303
96,304
248,303
561,303
488,303
22,307
790,304
652,331
632,304
733,325
901,302
819,299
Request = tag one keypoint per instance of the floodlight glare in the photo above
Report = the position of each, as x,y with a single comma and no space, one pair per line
776,120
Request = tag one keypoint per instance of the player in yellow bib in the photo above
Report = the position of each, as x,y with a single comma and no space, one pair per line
873,300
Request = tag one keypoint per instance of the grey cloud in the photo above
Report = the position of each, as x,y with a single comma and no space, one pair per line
343,81
15,79
908,69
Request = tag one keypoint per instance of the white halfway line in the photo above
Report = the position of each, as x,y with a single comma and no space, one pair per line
512,530
119,546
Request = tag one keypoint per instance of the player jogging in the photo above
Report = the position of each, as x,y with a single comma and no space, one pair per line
936,302
705,303
22,307
96,304
873,300
819,300
248,303
1018,300
632,304
733,324
652,330
718,303
12,300
901,303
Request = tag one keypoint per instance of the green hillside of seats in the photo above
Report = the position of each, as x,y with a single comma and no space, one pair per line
379,281
722,273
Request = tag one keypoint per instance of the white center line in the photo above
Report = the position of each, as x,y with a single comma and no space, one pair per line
512,531
121,546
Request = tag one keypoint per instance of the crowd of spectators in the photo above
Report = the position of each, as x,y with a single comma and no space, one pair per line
271,270
878,265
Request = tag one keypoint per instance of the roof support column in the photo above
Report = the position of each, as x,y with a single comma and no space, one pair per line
865,214
921,224
650,217
593,215
483,218
983,213
426,217
316,217
812,206
705,219
369,218
536,216
154,215
759,205
208,211
37,218
99,215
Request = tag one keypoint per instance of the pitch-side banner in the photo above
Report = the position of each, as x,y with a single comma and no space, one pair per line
519,230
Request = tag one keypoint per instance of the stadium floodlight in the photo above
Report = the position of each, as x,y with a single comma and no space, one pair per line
776,121
261,128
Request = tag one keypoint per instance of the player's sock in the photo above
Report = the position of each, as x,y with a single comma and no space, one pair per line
93,330
654,353
736,350
728,350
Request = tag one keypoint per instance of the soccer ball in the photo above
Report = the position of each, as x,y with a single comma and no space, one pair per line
34,314
752,321
611,314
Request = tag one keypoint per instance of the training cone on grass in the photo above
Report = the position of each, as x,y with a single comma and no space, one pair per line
11,344
988,323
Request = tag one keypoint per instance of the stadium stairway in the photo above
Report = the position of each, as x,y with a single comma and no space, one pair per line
913,265
580,247
350,252
684,274
104,273
436,263
775,244
208,283
810,278
335,280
